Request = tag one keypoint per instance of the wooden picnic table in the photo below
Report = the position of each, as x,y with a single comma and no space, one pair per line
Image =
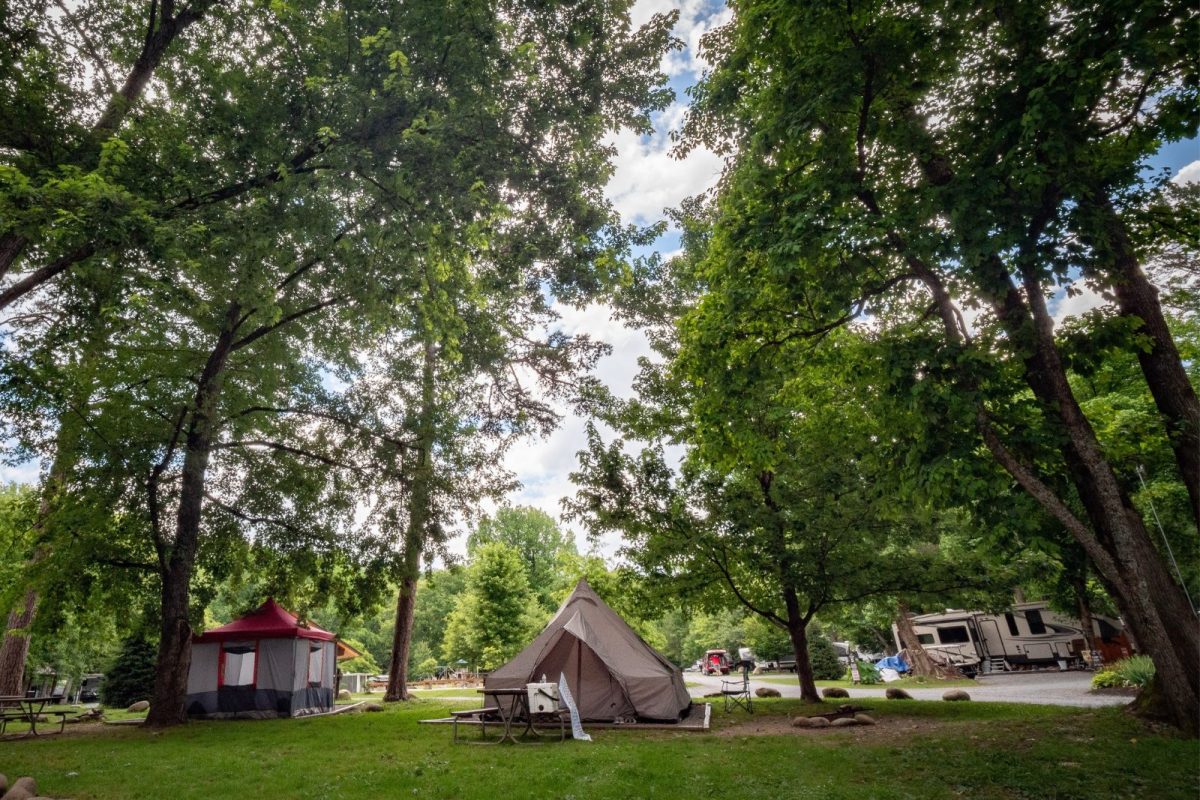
29,709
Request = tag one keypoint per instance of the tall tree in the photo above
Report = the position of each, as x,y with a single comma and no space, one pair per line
909,161
497,614
536,536
778,501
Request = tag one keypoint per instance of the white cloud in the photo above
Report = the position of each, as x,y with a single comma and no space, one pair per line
1188,174
27,472
1073,305
648,180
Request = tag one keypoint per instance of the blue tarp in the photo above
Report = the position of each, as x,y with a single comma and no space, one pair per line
892,662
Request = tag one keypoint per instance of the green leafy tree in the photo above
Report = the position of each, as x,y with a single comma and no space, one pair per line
911,162
780,503
536,536
497,614
260,220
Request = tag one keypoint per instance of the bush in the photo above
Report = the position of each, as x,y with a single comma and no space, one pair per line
1106,679
824,660
131,676
867,674
1135,672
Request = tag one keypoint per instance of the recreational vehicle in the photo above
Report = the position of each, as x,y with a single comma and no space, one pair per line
1028,635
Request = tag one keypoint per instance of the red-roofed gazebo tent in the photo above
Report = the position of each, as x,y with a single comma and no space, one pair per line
266,664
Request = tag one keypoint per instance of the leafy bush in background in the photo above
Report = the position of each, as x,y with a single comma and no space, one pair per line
867,673
824,659
1134,672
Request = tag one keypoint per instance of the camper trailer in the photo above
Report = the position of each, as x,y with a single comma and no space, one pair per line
1028,635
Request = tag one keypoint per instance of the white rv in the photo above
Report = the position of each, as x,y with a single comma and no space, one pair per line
1027,635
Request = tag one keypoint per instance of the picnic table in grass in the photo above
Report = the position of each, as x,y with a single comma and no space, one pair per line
31,710
510,712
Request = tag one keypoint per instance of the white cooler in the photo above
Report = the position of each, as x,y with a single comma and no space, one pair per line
543,697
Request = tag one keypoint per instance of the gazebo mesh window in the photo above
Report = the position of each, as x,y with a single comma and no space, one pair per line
239,664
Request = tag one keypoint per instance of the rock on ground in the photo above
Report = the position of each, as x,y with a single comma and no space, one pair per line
834,691
372,707
22,789
894,693
140,705
956,694
818,722
344,694
843,722
764,691
864,719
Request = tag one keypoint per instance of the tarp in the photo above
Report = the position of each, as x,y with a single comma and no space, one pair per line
892,662
611,671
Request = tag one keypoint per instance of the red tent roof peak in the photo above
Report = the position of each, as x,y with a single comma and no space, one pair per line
268,621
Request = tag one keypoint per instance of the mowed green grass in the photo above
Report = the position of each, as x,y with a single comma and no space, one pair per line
926,750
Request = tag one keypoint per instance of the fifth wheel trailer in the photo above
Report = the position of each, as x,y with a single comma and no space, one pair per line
1027,636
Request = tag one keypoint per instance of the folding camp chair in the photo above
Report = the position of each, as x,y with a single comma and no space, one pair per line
737,693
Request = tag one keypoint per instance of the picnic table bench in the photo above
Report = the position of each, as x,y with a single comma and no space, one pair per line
31,710
477,714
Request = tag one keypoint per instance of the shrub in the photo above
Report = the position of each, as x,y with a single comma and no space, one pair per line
1106,679
131,676
824,659
867,673
1136,671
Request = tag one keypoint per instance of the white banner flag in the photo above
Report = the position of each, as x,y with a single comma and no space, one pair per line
564,693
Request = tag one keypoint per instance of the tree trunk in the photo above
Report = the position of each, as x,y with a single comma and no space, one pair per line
1161,364
1152,602
1079,587
11,245
175,642
397,688
919,661
797,627
419,513
16,645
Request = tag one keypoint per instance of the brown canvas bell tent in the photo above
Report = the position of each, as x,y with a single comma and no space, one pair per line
611,672
266,664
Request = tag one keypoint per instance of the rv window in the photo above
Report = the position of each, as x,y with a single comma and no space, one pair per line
315,665
1036,626
925,638
1107,631
957,635
1012,624
239,664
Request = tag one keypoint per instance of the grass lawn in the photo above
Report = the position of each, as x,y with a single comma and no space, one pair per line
926,750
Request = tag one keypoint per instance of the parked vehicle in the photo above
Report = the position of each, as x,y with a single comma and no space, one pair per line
1028,635
715,661
89,688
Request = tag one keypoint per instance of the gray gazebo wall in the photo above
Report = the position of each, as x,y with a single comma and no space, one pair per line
280,690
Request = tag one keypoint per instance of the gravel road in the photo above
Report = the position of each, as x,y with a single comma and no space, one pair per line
1046,688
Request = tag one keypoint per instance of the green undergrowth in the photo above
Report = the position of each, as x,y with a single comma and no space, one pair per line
927,750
